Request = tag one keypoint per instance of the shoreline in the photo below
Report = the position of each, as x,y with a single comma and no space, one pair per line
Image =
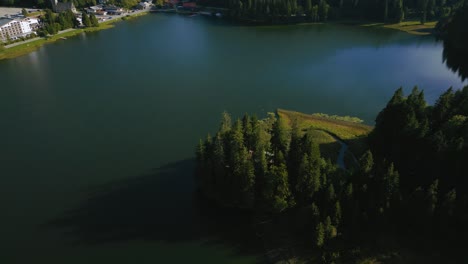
28,47
411,27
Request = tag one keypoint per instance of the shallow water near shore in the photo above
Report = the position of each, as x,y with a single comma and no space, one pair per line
98,131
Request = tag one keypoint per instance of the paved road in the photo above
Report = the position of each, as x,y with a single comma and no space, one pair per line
22,42
114,17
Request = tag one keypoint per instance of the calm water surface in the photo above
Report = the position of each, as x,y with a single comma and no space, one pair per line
96,130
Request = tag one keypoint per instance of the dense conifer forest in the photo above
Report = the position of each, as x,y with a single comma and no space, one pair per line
411,180
322,10
454,32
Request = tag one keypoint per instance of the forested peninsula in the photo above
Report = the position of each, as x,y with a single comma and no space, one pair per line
409,180
403,195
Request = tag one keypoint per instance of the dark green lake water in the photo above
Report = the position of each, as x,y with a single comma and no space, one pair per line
96,130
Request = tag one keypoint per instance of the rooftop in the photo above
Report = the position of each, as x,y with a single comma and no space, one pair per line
4,21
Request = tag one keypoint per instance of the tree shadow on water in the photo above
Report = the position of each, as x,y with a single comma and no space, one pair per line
162,205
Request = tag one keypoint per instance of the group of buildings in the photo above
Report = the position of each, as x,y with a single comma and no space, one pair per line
14,28
17,26
103,9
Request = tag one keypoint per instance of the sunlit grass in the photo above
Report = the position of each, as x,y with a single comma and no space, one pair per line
412,27
325,127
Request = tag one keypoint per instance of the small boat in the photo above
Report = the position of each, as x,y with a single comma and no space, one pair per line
63,38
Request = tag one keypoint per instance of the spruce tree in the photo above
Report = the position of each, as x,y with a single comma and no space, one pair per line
330,230
391,186
323,10
366,163
331,195
442,109
276,191
295,153
86,20
226,123
337,213
449,204
94,21
308,8
432,197
218,168
308,181
279,136
319,235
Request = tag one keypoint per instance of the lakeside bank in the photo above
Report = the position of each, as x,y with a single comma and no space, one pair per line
30,46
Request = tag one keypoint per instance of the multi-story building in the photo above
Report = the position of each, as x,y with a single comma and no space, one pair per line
16,28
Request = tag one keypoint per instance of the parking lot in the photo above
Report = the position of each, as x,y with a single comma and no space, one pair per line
13,11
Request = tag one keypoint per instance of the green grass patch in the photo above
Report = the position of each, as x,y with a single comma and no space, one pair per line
26,48
35,14
324,126
412,27
329,147
344,130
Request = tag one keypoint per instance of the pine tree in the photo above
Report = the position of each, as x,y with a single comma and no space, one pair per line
319,235
86,20
323,10
200,151
385,16
337,214
401,11
366,163
442,109
315,13
218,168
349,191
423,7
226,123
276,191
248,132
431,197
308,182
308,8
330,230
449,203
94,21
295,153
391,186
397,97
331,195
315,212
279,136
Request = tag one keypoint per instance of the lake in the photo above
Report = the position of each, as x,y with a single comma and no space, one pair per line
97,131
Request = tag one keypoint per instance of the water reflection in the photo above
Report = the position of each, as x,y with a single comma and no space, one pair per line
158,206
456,59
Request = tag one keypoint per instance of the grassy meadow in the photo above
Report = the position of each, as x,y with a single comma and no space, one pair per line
327,129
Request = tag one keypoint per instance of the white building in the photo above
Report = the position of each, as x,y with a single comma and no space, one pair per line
17,28
143,5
